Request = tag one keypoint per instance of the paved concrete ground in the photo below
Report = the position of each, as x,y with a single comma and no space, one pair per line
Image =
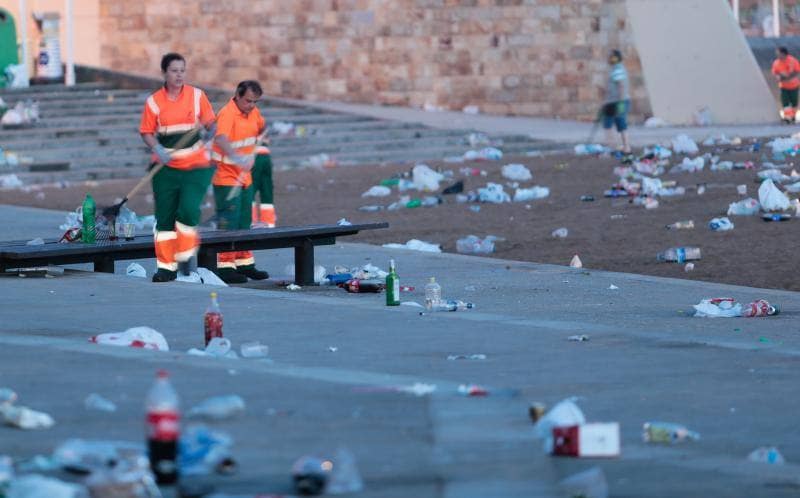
733,380
557,130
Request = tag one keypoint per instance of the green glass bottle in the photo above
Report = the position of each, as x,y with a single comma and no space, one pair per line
392,286
88,233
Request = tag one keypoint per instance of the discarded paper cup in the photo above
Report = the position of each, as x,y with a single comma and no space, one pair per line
254,349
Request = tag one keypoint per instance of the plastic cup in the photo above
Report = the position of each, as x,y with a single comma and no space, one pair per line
254,349
128,230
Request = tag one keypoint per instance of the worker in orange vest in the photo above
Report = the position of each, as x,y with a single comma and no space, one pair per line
177,114
786,70
240,129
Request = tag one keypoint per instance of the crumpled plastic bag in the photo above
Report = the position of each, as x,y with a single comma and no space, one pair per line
416,245
135,337
485,154
745,207
516,172
651,186
10,181
472,244
771,198
426,179
718,307
773,174
86,455
202,451
136,270
589,149
377,191
565,413
682,144
531,194
690,165
493,193
25,418
782,145
722,224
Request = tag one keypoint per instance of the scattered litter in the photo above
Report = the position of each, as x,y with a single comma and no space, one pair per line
485,154
208,277
613,287
681,225
679,254
253,349
727,307
530,194
589,149
689,267
773,174
516,172
578,338
564,414
417,389
377,191
25,418
590,483
332,349
493,193
319,272
38,486
202,451
593,440
776,217
766,454
416,245
723,224
771,198
475,209
218,408
7,396
136,270
690,165
38,241
745,207
576,262
472,390
135,337
425,179
472,244
654,122
96,402
321,161
682,144
667,433
10,181
742,189
343,223
454,357
560,233
702,117
316,475
471,109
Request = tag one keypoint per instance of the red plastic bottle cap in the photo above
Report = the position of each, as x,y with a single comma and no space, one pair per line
162,374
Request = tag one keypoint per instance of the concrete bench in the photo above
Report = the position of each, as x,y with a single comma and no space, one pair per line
103,254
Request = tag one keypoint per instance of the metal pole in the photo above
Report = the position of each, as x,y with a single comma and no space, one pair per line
23,26
70,76
776,17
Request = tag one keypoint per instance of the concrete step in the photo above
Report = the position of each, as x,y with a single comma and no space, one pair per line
55,88
133,110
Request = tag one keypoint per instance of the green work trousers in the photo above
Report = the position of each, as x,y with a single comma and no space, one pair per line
262,178
178,195
235,213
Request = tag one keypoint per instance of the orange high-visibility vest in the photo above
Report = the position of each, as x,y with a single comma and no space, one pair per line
790,65
242,131
169,120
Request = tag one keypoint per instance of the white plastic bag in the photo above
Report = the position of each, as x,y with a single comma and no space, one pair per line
745,207
135,337
416,245
136,270
472,244
718,308
426,179
771,198
377,191
493,193
531,194
682,144
516,172
25,418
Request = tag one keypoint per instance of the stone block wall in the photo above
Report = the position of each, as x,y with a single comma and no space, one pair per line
525,57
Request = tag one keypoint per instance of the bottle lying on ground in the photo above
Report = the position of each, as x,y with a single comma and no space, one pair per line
452,306
680,254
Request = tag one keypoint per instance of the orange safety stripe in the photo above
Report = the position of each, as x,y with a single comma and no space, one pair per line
226,260
187,242
165,250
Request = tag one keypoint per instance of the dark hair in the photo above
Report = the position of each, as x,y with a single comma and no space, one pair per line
616,53
783,50
169,59
252,85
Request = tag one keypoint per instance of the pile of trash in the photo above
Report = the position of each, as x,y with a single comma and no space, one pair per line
23,114
728,307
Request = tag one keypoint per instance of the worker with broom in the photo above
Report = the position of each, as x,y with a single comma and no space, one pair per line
237,152
176,120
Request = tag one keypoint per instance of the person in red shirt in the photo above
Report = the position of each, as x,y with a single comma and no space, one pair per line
786,70
240,129
175,121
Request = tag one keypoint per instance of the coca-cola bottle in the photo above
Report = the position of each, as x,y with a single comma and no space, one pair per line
163,428
357,285
212,320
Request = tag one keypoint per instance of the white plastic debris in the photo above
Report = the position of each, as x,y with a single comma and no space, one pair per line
691,165
576,262
613,287
793,188
293,287
722,224
717,308
493,193
782,145
343,223
472,244
565,413
773,174
516,172
10,181
218,407
25,418
136,270
416,245
560,233
485,154
426,179
192,278
208,277
135,337
589,149
38,241
377,191
766,454
530,194
745,207
97,402
689,267
682,144
418,389
771,198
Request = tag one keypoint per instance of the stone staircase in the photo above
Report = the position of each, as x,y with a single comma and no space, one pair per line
89,131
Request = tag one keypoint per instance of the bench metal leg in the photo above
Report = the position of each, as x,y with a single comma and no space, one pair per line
104,264
304,263
207,259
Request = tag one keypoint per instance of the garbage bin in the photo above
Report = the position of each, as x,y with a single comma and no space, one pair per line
48,64
8,44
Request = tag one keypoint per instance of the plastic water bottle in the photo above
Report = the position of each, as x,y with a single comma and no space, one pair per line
681,225
89,209
453,306
392,286
679,254
433,293
163,429
212,320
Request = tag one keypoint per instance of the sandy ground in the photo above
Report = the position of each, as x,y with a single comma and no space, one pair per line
608,234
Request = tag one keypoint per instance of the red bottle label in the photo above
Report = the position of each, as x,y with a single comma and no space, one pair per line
212,323
163,426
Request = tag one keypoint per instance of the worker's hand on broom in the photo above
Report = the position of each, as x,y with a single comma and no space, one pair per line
164,156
